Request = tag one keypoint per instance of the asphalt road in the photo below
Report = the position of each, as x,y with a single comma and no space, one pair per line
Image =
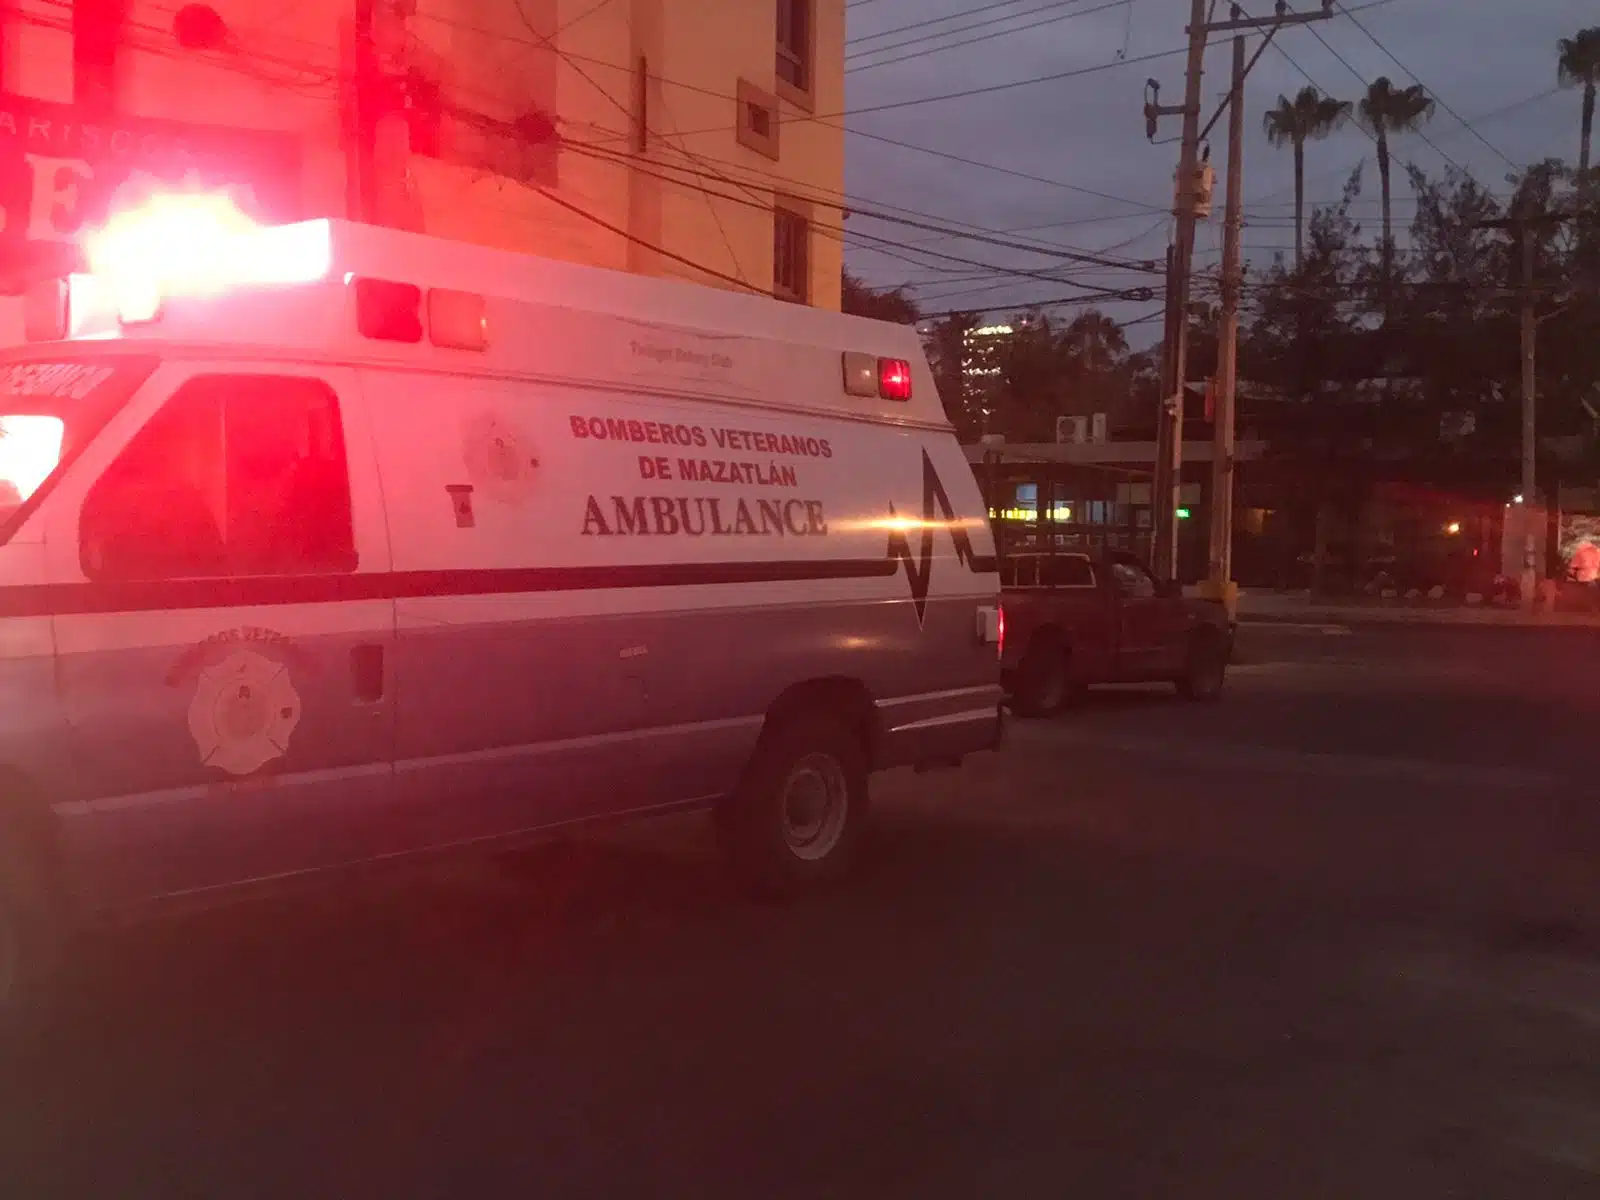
1336,936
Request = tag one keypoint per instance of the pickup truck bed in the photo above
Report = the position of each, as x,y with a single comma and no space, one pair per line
1073,620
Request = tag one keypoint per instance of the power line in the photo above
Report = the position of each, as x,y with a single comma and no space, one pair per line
1070,254
877,240
921,54
973,162
1365,82
829,119
648,245
955,16
952,227
963,94
1023,305
1440,100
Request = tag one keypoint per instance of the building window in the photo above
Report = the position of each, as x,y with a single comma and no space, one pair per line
796,43
757,119
791,254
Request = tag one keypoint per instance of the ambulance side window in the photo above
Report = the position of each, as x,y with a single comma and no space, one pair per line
236,475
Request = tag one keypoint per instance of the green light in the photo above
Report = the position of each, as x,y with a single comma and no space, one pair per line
1183,514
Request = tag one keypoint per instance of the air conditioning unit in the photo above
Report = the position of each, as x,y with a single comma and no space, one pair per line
1098,433
1072,431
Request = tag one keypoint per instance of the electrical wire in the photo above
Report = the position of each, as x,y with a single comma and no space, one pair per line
1366,83
986,23
829,120
1024,305
645,243
922,54
955,16
867,241
1089,258
1431,92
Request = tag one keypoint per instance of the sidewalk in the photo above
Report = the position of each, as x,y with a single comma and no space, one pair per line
1266,607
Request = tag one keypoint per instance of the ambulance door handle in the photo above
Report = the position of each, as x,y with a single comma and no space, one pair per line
367,673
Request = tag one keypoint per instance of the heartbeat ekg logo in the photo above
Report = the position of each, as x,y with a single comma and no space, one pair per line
919,567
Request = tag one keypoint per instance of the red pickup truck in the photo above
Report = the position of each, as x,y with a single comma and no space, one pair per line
1072,620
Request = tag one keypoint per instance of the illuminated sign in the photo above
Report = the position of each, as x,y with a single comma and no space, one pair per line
61,175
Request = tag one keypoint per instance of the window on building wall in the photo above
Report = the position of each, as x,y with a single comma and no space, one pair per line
757,119
791,254
795,43
96,32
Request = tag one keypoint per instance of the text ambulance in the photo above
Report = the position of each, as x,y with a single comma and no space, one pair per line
323,544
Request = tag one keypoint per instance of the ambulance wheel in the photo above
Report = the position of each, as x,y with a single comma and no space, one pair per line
30,943
796,820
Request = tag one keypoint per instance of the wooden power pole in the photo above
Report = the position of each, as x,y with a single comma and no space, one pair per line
1219,577
1191,204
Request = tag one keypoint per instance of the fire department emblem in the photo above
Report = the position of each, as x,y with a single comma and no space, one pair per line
499,459
244,710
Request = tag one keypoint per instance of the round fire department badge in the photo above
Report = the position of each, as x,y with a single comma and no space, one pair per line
243,711
499,459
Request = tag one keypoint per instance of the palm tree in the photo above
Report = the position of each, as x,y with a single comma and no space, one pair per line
1386,110
1308,117
1580,65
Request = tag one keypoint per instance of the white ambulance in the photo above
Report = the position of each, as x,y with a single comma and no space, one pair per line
323,544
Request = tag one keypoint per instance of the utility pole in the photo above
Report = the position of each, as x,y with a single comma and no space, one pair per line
1192,203
1169,421
1220,576
362,118
1530,332
1525,228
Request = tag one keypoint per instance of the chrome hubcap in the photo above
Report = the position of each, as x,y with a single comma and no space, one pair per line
816,803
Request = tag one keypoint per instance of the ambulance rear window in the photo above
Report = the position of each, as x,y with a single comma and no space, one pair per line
49,410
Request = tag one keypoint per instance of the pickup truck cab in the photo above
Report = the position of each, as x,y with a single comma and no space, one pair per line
1074,620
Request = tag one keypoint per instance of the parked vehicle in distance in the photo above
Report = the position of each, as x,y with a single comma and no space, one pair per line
1074,620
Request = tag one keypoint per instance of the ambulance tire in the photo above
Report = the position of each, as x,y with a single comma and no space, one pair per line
796,820
30,942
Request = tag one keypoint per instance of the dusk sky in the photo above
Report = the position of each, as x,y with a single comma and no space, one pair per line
1494,64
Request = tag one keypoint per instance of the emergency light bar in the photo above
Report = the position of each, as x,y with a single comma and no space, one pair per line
199,245
192,245
869,375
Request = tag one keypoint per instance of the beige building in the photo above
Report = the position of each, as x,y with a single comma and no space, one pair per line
688,138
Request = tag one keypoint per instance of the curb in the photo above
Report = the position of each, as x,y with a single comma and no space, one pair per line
1423,620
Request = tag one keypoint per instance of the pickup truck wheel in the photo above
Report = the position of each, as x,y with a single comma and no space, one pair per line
30,944
1044,680
797,818
1206,670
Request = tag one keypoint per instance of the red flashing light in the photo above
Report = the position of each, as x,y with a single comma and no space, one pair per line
457,319
1000,642
388,311
894,379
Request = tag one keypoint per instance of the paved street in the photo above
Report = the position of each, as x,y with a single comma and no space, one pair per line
1336,936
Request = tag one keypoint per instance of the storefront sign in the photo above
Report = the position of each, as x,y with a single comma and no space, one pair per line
62,173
